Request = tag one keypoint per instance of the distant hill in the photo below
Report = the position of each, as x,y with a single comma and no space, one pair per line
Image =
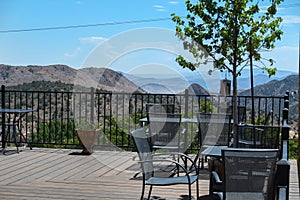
260,77
275,87
159,84
197,89
279,88
102,78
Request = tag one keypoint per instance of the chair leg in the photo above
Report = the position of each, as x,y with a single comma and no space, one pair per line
25,139
143,191
149,194
190,192
197,189
15,136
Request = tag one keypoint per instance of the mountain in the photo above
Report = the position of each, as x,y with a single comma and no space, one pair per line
279,88
160,85
260,77
210,83
103,78
275,87
197,89
108,79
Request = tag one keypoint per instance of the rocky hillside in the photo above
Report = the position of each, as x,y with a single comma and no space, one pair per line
103,78
197,89
278,88
275,87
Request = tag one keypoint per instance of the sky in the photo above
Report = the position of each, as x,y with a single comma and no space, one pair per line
25,42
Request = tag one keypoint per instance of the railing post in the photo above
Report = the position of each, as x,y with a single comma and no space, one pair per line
283,176
186,103
3,115
186,109
285,139
283,165
285,116
92,105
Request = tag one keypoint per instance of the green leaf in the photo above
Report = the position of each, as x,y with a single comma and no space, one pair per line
271,71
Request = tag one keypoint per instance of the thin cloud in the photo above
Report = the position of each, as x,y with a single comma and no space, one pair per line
265,8
291,19
159,8
92,40
73,54
287,48
173,2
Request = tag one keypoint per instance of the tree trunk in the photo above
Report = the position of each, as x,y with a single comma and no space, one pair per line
234,108
234,76
298,159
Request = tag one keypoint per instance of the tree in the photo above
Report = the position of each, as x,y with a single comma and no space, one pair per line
233,32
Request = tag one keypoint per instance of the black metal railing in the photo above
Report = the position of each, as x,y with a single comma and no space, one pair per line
283,165
116,114
57,115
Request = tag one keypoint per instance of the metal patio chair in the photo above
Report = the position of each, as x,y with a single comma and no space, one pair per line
214,130
165,132
153,167
241,113
258,136
247,174
160,108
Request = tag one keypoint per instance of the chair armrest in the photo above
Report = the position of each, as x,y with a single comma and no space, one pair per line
166,160
216,178
183,157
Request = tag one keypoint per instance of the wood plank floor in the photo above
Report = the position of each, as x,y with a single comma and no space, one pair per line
63,174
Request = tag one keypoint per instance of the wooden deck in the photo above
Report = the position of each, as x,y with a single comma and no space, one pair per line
61,174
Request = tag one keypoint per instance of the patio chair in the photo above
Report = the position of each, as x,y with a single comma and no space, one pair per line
14,127
268,118
258,136
153,170
160,108
241,113
247,174
164,131
214,129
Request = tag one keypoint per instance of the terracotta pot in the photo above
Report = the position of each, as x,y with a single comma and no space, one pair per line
87,139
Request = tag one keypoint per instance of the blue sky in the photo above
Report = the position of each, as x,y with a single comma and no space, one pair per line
73,46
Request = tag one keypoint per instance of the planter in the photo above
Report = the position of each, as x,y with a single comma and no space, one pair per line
87,139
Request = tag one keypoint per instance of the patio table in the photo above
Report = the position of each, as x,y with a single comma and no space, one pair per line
188,120
213,151
18,114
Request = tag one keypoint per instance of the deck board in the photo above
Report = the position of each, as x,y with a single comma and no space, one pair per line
56,174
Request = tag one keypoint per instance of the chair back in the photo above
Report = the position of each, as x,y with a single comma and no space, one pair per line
160,108
258,136
249,173
215,128
241,113
164,129
143,149
268,118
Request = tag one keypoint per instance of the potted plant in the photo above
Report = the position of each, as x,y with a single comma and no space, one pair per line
87,134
